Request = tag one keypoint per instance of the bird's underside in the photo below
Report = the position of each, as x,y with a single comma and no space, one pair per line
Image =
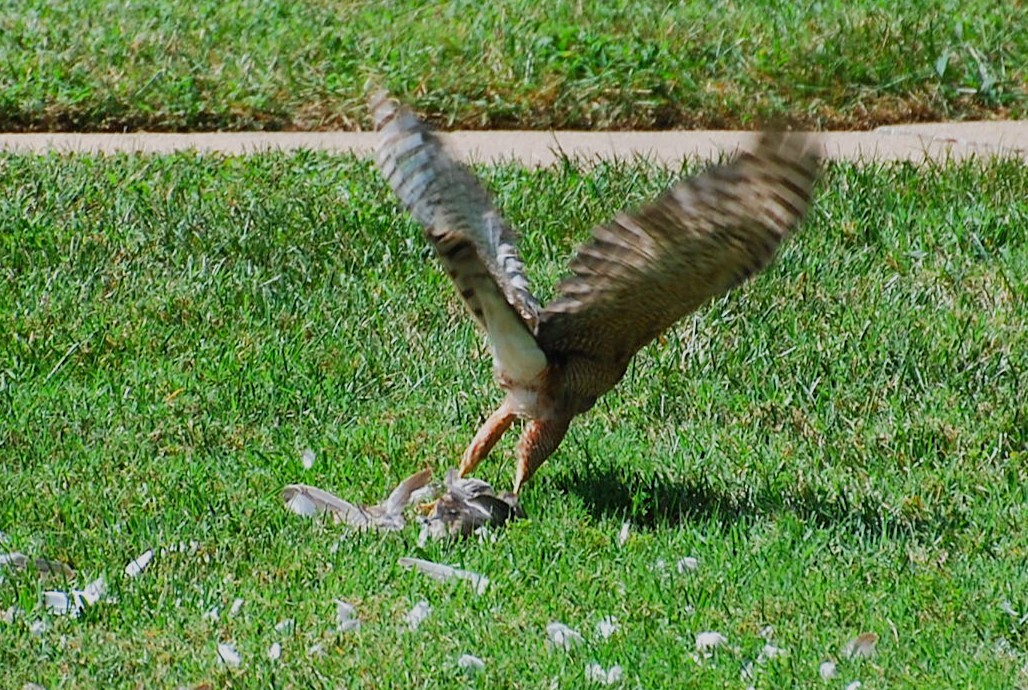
638,275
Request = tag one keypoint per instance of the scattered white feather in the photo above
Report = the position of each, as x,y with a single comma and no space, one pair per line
441,572
607,627
62,603
1004,649
686,564
138,565
860,647
229,656
307,458
316,649
767,632
827,670
595,673
855,685
284,625
37,628
59,603
770,652
625,532
213,614
418,614
1008,609
274,651
708,641
236,606
9,614
470,662
94,592
346,616
562,636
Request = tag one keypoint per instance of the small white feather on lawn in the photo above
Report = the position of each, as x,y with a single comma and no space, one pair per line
62,603
595,673
229,655
686,564
438,571
417,615
346,616
136,567
707,642
470,662
562,636
607,627
625,533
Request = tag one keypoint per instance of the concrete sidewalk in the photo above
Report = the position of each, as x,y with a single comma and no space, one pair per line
916,143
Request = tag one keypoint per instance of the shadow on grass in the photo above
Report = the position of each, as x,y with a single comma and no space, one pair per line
655,501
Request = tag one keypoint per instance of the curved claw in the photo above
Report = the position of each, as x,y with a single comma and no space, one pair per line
538,441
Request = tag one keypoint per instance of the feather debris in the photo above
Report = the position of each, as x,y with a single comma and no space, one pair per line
137,565
461,507
562,636
470,662
438,571
595,673
417,615
73,603
229,655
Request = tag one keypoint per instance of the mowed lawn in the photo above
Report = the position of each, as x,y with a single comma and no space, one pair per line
842,445
113,65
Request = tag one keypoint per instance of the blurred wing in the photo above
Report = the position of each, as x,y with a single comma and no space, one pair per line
648,268
473,242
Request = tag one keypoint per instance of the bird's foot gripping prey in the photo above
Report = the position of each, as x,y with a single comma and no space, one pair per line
638,275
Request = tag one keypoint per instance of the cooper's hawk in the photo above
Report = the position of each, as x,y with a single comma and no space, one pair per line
638,275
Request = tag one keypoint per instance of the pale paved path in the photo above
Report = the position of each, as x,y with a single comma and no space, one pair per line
901,142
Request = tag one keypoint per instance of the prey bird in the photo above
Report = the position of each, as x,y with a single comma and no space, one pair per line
637,276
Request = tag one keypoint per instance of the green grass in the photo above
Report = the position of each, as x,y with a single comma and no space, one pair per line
843,444
241,64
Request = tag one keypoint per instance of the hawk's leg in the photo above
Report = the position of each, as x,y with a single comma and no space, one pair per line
538,441
486,438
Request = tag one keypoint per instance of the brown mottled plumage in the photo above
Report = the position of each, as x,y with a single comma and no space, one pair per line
640,273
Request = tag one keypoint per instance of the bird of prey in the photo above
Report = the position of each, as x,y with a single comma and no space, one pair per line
637,276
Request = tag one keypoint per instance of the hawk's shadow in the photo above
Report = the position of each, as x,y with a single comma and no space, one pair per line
651,501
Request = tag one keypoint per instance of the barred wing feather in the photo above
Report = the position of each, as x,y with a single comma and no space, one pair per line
646,269
473,242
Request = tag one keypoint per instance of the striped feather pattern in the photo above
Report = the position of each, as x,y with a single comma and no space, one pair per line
473,242
646,269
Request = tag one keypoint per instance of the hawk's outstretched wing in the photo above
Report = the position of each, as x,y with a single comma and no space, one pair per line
474,243
648,268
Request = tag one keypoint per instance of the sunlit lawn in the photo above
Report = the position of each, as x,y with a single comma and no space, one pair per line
841,444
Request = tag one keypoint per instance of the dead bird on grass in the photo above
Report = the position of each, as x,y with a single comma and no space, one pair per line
460,506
